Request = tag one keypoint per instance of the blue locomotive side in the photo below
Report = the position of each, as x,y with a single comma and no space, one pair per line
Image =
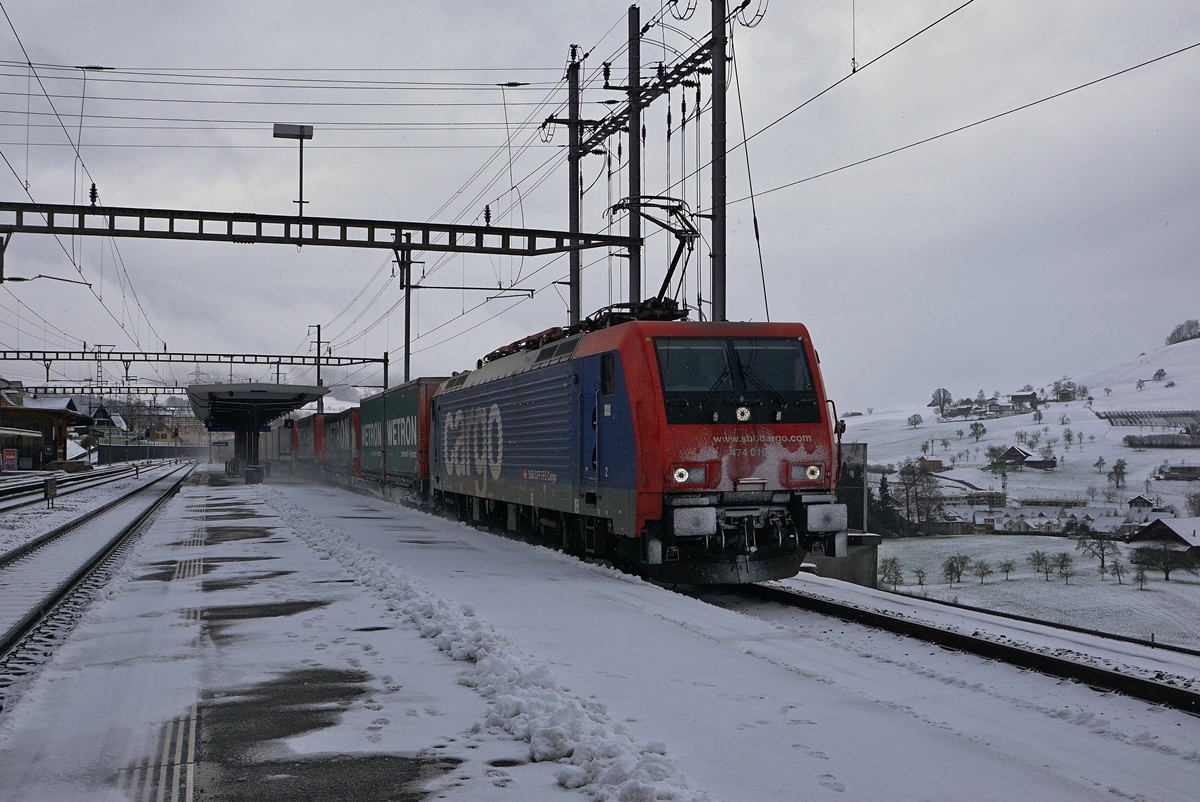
534,434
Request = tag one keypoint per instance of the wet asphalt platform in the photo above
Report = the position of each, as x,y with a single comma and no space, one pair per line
232,662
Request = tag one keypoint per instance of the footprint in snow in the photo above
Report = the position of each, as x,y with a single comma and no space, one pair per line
831,782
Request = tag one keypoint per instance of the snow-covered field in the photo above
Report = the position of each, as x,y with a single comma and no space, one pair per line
1170,611
509,671
890,440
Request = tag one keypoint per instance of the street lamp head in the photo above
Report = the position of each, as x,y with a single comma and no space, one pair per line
289,131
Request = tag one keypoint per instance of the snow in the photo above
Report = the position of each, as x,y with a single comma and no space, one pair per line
585,678
1128,658
890,440
25,523
527,701
1170,611
1182,365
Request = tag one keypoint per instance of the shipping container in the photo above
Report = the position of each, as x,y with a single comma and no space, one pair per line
310,441
342,442
401,416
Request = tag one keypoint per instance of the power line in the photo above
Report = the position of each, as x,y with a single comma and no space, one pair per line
961,128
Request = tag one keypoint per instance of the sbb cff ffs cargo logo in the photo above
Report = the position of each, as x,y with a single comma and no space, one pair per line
473,441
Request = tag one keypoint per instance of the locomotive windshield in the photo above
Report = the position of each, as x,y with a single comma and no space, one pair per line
706,379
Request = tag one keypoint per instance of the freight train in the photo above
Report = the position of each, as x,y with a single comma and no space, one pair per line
684,451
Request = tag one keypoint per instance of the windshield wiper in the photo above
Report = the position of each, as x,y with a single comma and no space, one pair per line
712,390
751,375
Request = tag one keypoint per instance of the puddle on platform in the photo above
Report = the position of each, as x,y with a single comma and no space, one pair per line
220,619
236,725
229,534
237,582
230,515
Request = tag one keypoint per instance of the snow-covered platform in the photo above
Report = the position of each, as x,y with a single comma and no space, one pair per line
297,641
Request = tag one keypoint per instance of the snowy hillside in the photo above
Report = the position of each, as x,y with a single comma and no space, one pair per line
890,440
1181,363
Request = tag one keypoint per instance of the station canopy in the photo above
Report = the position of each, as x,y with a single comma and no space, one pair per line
248,405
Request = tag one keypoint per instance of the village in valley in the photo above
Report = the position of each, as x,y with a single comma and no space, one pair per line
1046,501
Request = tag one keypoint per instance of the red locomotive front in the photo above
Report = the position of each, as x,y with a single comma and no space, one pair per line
736,449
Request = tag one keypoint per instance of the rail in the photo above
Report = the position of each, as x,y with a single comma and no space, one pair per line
1137,687
61,590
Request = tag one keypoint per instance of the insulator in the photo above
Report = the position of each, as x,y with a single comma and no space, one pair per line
607,72
487,215
94,194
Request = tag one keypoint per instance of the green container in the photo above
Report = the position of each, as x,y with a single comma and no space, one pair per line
399,417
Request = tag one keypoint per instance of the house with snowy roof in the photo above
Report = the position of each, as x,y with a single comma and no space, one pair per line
1024,400
1141,503
1177,534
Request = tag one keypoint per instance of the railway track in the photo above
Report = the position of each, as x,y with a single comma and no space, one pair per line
46,583
1169,692
19,494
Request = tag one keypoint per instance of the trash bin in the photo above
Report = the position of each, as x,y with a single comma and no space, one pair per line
254,474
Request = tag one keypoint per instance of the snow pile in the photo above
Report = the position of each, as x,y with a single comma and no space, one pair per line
598,756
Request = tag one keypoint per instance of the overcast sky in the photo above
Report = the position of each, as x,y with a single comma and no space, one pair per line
1052,241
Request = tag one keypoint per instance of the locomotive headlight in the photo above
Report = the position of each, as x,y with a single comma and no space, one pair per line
682,475
805,473
691,476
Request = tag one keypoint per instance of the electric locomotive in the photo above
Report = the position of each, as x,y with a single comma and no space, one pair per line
686,451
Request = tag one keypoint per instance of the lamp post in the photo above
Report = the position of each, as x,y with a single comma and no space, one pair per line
300,133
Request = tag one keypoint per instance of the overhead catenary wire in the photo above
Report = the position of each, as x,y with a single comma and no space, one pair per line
762,270
81,163
974,124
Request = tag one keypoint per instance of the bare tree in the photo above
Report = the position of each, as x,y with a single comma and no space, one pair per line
1006,568
954,566
945,444
890,571
1068,437
978,430
1187,330
1039,561
1139,576
1110,494
981,569
1099,464
907,478
1162,557
941,400
960,433
1118,569
1092,491
915,420
920,574
927,496
1117,474
1193,504
1037,416
1098,546
1064,563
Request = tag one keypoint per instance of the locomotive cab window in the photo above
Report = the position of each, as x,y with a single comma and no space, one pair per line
608,374
708,379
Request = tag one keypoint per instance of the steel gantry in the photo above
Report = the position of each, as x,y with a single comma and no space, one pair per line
249,228
48,358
